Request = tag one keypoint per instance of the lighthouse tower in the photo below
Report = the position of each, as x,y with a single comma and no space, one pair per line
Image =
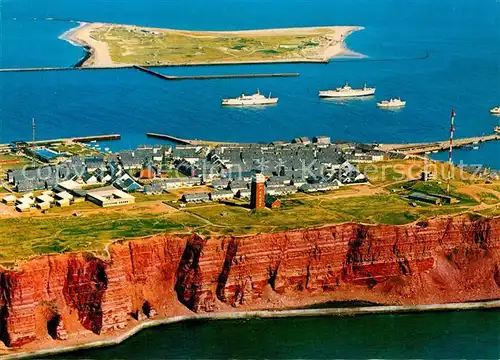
258,192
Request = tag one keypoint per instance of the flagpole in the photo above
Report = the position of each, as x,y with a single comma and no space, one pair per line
450,159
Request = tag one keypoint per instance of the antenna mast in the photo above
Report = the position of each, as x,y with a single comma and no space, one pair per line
450,158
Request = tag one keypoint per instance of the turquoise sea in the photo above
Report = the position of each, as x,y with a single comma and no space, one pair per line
462,71
451,335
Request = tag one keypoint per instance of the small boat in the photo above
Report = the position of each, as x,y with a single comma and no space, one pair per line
495,110
471,147
250,100
497,129
392,103
347,91
106,149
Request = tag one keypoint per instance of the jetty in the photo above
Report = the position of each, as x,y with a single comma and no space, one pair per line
407,149
149,71
171,138
81,139
210,77
420,148
78,66
65,68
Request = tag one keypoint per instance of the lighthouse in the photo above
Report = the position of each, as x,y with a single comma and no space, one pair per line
258,192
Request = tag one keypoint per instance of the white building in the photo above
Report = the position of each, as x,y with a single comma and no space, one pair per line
9,199
45,199
221,195
110,197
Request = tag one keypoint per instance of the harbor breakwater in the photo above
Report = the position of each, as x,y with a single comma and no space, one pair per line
74,299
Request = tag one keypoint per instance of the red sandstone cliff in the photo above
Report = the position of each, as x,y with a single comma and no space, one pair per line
60,296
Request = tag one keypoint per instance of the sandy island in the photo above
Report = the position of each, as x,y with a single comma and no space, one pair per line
114,45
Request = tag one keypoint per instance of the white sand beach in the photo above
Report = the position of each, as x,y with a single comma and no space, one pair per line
99,51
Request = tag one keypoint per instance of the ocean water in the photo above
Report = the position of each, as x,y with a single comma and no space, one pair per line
452,335
462,71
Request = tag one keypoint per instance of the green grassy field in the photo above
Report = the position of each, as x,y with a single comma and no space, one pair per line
434,187
174,173
488,198
75,149
491,212
27,236
142,198
388,172
6,164
310,212
59,231
383,173
132,45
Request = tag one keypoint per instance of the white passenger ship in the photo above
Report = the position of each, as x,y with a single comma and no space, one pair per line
495,110
347,91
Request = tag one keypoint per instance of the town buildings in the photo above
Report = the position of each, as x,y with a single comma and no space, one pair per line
257,172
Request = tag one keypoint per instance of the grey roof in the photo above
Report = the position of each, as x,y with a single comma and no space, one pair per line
185,153
288,189
220,183
222,192
317,187
173,180
77,160
198,196
423,197
275,184
78,192
321,139
128,159
87,176
238,184
126,184
94,161
154,187
192,180
30,185
238,175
